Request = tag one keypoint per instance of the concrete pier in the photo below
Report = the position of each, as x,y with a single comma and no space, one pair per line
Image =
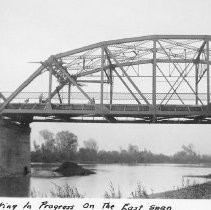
14,149
15,186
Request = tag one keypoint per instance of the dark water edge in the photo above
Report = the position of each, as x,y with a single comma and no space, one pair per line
15,186
20,186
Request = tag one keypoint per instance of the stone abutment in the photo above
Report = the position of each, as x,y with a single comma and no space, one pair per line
14,149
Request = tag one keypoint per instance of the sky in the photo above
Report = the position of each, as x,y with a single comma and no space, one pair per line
33,30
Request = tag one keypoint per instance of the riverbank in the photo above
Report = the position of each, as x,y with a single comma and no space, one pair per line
198,191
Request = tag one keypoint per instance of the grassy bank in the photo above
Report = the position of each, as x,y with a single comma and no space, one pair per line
197,191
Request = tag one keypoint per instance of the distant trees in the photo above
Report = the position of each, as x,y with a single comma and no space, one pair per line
89,151
133,152
46,151
66,145
187,155
91,144
47,135
63,146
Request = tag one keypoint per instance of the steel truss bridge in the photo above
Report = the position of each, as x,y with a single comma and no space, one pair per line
149,79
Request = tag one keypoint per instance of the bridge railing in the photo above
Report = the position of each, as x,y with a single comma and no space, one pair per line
115,107
118,97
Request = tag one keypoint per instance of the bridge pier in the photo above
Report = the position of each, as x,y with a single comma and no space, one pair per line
14,149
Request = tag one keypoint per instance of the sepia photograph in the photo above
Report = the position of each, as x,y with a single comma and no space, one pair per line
106,99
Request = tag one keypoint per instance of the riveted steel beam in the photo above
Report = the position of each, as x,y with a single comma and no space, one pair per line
128,40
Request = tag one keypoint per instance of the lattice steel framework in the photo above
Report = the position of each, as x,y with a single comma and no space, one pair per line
159,79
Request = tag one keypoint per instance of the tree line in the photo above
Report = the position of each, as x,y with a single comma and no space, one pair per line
63,146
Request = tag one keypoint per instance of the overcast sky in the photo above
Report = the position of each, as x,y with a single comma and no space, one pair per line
33,30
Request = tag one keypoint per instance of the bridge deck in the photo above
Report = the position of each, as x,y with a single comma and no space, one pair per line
68,111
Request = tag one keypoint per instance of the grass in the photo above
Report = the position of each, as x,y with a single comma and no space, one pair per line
187,191
195,191
112,193
140,192
65,191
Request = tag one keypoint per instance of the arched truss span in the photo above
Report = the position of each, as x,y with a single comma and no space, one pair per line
159,78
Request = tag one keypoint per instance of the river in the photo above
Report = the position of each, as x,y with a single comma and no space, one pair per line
153,177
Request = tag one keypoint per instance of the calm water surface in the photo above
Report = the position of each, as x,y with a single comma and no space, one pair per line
154,177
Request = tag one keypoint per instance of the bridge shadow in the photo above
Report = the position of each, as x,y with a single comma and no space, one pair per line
15,186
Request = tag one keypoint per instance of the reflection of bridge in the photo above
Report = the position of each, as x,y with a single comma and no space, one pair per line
150,79
158,79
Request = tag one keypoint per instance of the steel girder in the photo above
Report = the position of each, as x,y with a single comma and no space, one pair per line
125,64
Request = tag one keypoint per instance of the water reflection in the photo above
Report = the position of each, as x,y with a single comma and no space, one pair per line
14,186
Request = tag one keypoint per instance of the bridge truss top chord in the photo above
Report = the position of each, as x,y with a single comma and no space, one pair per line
149,79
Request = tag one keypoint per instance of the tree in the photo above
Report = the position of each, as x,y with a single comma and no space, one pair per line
36,155
66,144
49,143
46,134
36,146
133,149
133,152
90,151
59,147
91,144
189,149
187,155
47,149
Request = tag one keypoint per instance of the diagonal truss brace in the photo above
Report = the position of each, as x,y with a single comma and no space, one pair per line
203,73
200,52
56,91
125,84
23,85
175,84
2,96
128,77
181,73
170,84
71,79
179,83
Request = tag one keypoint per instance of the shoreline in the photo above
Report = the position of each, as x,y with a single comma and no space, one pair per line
198,191
56,164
